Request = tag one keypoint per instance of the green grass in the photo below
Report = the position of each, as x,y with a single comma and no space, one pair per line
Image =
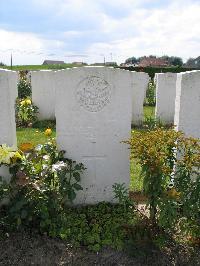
39,67
136,180
33,135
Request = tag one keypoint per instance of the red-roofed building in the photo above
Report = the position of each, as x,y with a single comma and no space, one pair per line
154,62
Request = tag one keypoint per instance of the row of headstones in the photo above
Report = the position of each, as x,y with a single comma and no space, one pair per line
94,109
178,101
44,86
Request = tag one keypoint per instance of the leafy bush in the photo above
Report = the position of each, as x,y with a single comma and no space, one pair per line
24,85
43,184
153,70
26,112
98,225
42,188
171,167
151,123
150,94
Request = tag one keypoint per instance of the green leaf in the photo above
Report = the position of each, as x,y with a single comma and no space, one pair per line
77,186
77,176
24,214
78,167
71,194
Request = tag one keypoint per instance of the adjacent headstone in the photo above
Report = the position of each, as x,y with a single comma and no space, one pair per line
165,97
93,116
8,94
43,93
187,105
139,87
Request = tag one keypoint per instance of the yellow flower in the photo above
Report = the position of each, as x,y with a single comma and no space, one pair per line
48,132
26,147
23,102
6,153
17,156
28,101
173,193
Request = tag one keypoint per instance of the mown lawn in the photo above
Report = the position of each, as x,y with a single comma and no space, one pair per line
37,136
33,135
39,67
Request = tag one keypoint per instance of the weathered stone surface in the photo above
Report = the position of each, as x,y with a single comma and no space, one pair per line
139,87
8,94
165,97
187,105
43,93
93,116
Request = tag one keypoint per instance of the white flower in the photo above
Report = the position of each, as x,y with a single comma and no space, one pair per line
46,157
59,166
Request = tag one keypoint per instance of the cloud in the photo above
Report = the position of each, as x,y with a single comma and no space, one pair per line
172,31
25,47
94,29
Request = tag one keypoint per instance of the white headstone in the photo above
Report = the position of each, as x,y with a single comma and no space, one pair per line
139,88
187,106
43,93
93,116
8,94
165,96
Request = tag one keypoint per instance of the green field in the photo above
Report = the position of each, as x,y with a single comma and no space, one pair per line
39,67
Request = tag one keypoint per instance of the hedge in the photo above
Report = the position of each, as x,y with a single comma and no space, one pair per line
152,70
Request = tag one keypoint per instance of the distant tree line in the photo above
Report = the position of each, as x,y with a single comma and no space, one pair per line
172,60
2,64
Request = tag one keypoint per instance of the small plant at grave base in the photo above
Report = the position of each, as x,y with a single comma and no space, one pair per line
98,225
150,94
122,195
152,123
48,132
43,184
41,191
24,85
171,181
26,112
141,234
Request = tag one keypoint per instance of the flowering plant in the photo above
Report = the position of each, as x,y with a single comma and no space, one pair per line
43,183
26,112
171,167
24,85
8,155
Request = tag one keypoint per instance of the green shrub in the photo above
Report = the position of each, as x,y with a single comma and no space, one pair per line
24,85
97,226
171,181
43,184
150,94
26,112
153,70
42,189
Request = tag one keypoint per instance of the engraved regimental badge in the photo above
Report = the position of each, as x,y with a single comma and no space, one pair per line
93,93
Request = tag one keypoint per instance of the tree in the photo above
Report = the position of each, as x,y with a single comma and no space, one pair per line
131,60
2,64
176,61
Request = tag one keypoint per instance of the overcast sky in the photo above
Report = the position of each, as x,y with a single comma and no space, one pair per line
88,30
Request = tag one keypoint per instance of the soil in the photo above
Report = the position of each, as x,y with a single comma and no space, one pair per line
26,248
137,196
